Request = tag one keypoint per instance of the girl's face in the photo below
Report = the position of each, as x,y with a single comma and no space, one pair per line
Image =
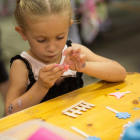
47,38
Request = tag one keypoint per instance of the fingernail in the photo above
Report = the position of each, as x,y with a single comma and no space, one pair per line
57,65
72,54
64,53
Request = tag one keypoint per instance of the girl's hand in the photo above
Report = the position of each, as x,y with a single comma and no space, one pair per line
49,74
74,58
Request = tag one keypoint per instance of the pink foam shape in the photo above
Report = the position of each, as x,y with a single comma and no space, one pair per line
44,134
118,95
67,67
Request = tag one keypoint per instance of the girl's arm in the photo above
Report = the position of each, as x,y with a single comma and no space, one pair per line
17,98
84,60
102,68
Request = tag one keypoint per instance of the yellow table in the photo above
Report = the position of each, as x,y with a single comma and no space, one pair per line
98,121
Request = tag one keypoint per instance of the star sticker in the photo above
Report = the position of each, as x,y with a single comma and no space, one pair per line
122,115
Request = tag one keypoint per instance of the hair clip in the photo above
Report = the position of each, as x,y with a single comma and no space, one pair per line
69,43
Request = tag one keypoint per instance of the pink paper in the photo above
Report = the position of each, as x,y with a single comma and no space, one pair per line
44,134
118,95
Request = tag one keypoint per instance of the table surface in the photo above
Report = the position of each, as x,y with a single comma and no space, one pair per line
97,121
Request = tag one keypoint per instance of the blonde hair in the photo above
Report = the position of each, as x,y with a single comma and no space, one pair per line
29,9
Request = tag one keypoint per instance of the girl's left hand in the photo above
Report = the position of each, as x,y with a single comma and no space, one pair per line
74,58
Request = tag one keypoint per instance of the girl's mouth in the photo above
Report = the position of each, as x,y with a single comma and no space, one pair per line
51,56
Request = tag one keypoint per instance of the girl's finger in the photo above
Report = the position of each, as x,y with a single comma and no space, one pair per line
82,57
76,50
56,75
48,67
68,51
66,61
76,62
72,65
55,70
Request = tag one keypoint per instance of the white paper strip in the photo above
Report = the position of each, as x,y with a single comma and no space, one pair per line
80,132
109,108
126,92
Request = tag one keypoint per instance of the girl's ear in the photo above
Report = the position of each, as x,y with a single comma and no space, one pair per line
21,32
71,22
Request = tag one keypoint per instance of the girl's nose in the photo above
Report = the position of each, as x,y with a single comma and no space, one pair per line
51,47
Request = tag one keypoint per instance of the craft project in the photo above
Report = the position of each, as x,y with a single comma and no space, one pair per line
88,137
66,66
132,132
118,95
120,115
77,108
126,126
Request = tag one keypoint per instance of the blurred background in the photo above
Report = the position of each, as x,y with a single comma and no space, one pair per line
110,28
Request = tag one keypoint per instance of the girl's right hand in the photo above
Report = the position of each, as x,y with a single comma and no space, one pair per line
49,74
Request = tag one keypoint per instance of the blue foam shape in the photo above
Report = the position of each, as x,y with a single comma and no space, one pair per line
92,138
122,115
132,132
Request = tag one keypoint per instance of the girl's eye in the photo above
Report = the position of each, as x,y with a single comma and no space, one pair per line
41,41
59,38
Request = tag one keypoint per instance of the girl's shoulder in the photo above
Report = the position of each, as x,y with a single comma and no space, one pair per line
18,76
19,61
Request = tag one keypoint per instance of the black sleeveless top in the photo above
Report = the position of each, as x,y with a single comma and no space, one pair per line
67,85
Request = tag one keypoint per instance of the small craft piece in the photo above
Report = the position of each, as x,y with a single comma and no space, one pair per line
120,115
77,108
136,108
66,66
132,132
126,126
88,137
118,95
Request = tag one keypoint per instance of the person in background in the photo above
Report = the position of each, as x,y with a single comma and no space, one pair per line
4,79
6,7
52,66
73,30
94,18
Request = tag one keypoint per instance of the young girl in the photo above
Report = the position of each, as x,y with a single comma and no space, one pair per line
42,72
